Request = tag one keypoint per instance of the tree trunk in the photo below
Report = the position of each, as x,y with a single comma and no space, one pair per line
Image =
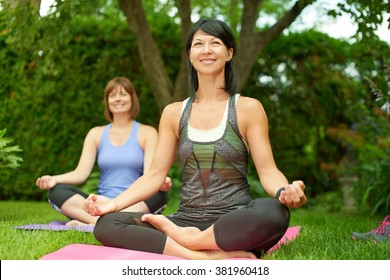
149,53
252,43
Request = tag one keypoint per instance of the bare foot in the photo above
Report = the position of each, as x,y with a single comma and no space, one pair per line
77,223
173,248
182,235
220,255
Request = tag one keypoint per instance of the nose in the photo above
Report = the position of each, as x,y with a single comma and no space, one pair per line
206,48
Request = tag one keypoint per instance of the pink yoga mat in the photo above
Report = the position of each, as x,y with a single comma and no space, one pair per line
96,252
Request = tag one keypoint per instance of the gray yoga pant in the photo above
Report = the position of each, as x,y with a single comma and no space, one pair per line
256,228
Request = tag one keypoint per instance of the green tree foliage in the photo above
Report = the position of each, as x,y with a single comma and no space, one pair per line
323,123
373,189
52,91
54,69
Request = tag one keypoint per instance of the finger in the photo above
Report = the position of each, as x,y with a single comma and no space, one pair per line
91,208
96,210
85,204
299,188
287,194
145,217
44,183
282,197
300,184
290,198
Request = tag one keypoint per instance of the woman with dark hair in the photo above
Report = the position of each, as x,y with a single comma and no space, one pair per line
123,149
214,131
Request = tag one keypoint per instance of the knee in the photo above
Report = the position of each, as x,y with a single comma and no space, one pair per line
274,216
55,192
57,196
279,212
103,227
110,228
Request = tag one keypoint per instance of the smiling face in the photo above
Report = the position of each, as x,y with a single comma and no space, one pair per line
120,95
208,54
210,46
119,100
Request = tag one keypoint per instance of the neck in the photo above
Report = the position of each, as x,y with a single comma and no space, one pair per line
210,87
122,121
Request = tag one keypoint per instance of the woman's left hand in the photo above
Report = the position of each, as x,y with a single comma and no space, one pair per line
293,195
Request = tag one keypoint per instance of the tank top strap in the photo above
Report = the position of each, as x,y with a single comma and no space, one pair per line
232,113
186,113
134,132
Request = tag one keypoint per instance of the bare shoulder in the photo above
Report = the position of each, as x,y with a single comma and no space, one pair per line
172,112
94,135
248,107
249,104
170,119
96,132
147,130
173,108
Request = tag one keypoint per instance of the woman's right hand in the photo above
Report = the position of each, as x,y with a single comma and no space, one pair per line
97,205
45,182
167,185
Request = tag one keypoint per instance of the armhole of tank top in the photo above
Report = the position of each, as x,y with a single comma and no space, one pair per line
133,137
243,140
105,132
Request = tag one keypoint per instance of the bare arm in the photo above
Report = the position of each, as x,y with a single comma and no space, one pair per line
253,125
84,167
148,139
149,183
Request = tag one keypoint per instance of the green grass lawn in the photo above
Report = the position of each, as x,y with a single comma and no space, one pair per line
323,236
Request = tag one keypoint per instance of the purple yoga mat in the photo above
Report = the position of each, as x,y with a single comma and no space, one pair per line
56,226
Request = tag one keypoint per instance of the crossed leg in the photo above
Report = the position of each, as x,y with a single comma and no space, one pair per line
173,248
72,208
189,237
125,230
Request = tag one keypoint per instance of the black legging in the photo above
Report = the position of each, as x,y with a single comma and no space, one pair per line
61,193
256,228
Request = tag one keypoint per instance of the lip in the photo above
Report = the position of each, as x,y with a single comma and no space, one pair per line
118,105
207,61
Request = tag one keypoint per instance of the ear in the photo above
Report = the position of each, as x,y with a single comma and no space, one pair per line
229,54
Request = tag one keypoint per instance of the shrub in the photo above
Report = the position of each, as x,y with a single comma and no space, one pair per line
8,157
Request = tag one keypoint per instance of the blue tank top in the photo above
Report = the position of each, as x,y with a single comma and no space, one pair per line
119,166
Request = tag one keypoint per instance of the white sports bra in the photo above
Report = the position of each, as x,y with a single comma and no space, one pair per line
211,134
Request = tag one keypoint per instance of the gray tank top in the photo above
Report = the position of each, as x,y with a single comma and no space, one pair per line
214,174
